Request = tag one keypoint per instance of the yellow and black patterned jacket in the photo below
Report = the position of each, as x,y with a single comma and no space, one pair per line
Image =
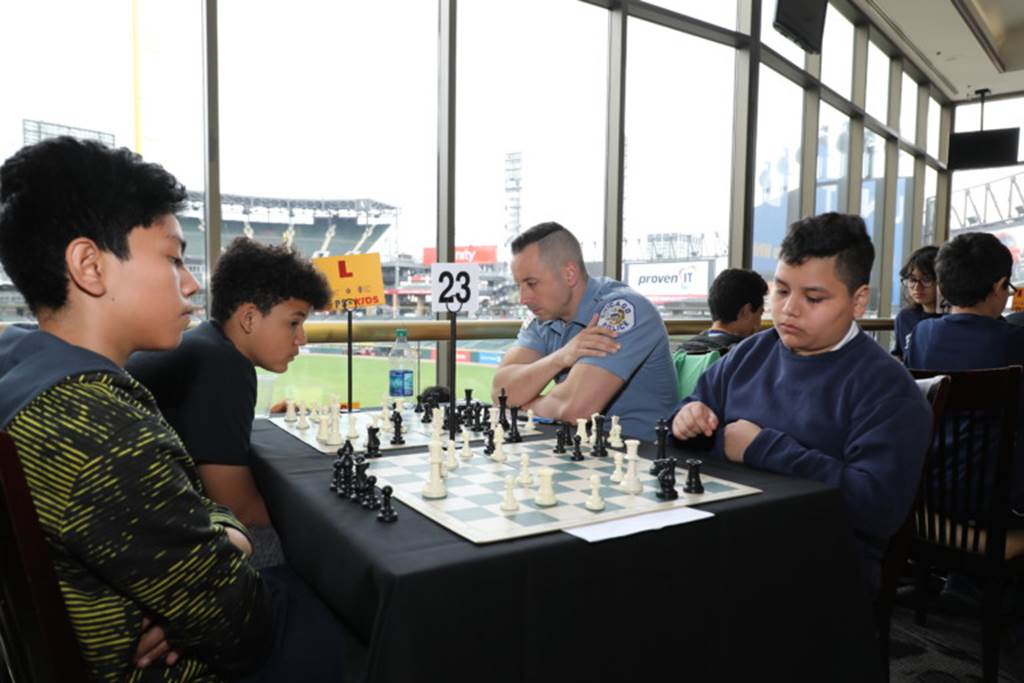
131,533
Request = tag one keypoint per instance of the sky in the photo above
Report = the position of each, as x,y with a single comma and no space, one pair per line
338,100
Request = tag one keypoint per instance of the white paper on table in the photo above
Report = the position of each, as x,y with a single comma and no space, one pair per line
615,528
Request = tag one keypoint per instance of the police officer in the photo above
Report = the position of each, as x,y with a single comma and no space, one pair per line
604,344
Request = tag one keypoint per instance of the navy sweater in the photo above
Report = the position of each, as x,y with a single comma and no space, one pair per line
852,418
906,321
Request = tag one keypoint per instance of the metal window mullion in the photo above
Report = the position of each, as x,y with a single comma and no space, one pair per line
809,151
211,143
615,141
915,237
746,82
888,222
855,138
943,183
447,10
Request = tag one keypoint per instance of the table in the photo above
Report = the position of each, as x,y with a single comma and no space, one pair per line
768,589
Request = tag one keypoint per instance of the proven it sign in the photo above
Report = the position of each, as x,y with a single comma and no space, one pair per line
670,280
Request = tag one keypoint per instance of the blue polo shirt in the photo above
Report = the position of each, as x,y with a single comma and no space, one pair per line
644,361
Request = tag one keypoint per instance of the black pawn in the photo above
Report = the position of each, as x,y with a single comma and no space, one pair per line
560,439
419,405
693,482
489,446
428,411
387,513
577,452
370,500
513,435
396,438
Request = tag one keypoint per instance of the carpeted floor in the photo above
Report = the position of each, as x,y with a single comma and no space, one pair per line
947,650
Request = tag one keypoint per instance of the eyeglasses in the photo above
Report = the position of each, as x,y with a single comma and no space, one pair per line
1010,286
910,282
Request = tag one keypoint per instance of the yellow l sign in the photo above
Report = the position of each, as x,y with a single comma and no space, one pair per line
356,279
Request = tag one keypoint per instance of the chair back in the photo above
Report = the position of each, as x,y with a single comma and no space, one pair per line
39,642
963,504
689,368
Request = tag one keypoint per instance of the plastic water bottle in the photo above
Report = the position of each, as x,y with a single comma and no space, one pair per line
400,367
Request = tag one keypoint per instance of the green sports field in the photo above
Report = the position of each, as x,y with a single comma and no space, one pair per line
317,377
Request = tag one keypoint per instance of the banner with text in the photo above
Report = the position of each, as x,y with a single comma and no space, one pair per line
356,279
670,280
470,254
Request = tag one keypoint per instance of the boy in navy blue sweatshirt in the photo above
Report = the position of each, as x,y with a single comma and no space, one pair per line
816,397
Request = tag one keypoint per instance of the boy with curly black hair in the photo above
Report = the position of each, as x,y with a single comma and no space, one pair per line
206,388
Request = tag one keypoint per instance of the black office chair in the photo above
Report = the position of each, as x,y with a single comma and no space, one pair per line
962,509
935,390
38,641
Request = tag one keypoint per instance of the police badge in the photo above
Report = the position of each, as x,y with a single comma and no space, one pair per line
618,316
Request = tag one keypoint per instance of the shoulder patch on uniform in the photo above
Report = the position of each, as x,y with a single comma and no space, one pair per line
618,315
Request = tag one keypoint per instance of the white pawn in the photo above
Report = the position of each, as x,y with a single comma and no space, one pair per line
323,428
499,444
617,474
546,491
509,502
595,502
530,425
452,463
303,420
581,430
524,478
494,416
631,483
334,431
435,452
289,414
615,435
435,488
467,452
353,433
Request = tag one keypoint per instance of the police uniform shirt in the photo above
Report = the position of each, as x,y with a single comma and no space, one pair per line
643,363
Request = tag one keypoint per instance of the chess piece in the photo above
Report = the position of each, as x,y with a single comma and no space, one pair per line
387,513
661,432
667,479
373,441
617,475
435,488
467,451
530,425
546,490
524,478
499,450
615,433
353,433
419,405
336,477
592,426
600,449
469,398
509,502
503,409
303,422
359,486
346,449
489,445
581,429
323,429
289,414
334,431
560,438
513,434
428,411
693,482
396,422
577,450
370,500
344,488
595,502
631,482
452,463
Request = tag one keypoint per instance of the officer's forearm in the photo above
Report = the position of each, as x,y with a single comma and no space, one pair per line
523,382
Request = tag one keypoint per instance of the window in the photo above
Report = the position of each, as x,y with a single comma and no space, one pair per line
677,184
872,203
934,120
531,131
928,218
1007,113
329,132
776,41
837,53
908,110
877,103
721,12
777,196
833,146
112,90
904,222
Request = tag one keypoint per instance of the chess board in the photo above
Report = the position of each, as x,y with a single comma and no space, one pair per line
415,432
476,489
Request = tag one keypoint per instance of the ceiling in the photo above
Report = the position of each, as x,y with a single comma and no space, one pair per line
962,45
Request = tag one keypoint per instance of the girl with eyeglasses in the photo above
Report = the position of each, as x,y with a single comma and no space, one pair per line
918,277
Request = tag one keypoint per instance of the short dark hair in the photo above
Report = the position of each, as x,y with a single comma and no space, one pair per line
969,265
832,234
923,260
557,245
250,272
61,189
732,289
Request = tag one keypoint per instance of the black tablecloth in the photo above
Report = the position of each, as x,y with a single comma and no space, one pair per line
767,590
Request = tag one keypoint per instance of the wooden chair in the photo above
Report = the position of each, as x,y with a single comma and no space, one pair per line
935,390
34,625
963,506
